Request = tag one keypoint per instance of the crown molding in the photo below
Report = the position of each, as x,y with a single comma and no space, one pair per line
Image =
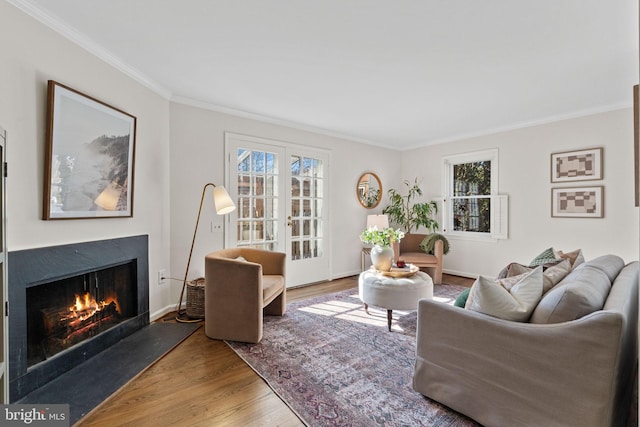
275,121
89,45
521,125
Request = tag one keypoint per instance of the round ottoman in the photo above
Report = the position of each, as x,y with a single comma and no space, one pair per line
393,293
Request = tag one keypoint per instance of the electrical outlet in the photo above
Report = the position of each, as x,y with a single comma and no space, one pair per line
216,228
162,277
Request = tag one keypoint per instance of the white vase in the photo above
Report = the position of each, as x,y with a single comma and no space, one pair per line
382,257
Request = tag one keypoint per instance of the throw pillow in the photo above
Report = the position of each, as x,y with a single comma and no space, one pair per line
575,257
490,297
551,276
545,257
462,298
428,243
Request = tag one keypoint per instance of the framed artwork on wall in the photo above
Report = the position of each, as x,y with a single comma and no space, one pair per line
89,157
577,202
579,165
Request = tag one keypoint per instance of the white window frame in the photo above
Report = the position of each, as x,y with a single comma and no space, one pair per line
499,203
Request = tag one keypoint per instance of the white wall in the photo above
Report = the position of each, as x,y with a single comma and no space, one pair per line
197,148
30,55
180,147
524,174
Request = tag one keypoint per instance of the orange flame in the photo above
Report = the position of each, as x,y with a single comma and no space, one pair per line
86,306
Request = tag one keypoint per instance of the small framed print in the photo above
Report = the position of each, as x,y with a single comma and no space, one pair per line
577,202
580,165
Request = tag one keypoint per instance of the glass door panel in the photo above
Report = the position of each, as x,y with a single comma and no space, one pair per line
257,201
280,191
306,218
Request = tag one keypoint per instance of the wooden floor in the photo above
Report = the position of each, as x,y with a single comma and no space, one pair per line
202,382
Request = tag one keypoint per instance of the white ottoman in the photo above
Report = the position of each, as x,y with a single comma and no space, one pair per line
393,293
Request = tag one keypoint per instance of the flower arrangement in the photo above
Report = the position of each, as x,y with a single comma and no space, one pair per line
384,237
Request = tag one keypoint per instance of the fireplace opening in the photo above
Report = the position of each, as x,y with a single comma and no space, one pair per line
66,312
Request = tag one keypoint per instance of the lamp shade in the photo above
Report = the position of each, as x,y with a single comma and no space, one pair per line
222,201
380,221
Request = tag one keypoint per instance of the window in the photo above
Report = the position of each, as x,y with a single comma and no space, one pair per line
472,204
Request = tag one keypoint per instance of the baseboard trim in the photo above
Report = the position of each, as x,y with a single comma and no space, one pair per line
461,274
158,314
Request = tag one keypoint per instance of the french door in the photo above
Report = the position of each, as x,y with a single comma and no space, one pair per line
280,192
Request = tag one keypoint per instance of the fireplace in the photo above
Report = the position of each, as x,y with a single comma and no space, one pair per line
68,303
66,312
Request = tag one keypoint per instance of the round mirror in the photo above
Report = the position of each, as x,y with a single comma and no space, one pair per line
369,190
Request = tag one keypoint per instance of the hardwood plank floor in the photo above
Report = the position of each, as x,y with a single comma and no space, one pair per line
202,382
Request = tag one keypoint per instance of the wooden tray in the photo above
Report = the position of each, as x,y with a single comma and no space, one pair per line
401,272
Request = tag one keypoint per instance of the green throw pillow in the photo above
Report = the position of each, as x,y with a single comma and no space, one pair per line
461,301
429,243
547,256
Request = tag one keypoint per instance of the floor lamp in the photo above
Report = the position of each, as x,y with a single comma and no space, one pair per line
223,205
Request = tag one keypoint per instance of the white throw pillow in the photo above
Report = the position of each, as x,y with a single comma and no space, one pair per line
490,297
550,276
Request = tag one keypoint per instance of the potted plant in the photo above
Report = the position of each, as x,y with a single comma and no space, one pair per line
381,252
410,215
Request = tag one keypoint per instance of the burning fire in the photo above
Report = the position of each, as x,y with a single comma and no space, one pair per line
87,306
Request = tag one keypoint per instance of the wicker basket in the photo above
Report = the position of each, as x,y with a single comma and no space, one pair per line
195,298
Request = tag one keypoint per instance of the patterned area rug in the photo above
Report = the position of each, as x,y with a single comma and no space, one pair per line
334,365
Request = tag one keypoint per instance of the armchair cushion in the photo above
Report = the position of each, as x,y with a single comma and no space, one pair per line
409,251
272,285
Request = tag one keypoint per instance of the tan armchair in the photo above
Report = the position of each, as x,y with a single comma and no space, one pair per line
238,292
410,252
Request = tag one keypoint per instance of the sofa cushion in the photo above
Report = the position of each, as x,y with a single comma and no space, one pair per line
608,264
490,297
582,292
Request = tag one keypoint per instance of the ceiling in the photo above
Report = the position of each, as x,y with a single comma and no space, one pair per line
401,74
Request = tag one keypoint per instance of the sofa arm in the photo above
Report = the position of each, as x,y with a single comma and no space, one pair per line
500,372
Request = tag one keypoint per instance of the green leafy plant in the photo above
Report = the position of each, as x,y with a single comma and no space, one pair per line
407,214
371,199
384,237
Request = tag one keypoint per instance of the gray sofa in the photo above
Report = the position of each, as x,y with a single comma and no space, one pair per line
570,365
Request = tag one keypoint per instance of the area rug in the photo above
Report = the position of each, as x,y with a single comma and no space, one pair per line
334,365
